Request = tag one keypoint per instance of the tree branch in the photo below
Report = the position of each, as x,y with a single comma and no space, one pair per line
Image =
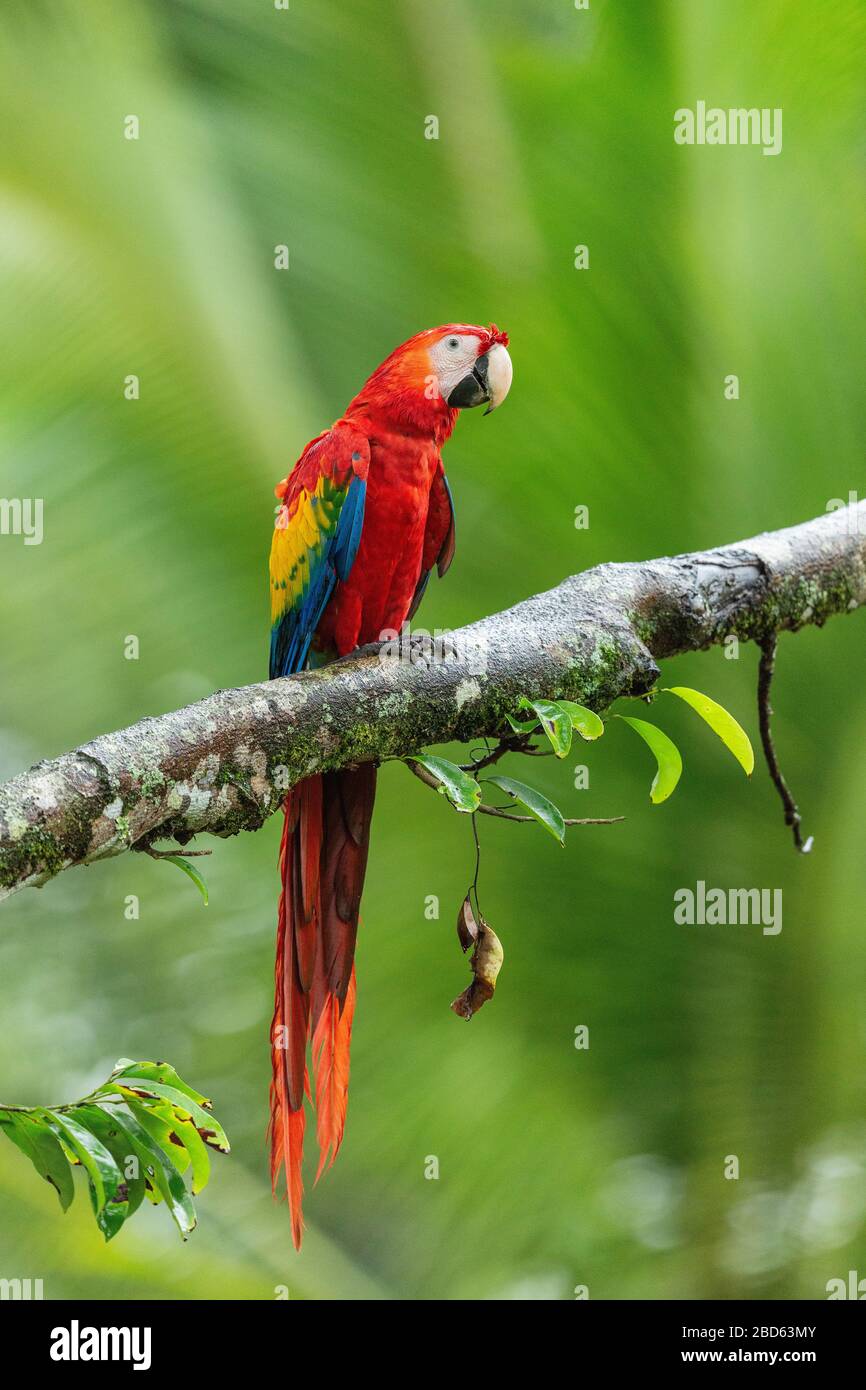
224,764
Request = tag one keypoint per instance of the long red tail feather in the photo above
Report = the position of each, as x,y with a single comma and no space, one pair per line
323,857
331,1043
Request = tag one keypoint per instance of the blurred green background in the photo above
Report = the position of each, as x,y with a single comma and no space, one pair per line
305,127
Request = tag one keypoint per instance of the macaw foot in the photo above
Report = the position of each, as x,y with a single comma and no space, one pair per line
418,648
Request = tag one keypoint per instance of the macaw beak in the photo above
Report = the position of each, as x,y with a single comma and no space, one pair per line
489,381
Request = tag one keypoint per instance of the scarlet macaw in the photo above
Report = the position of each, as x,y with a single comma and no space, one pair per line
365,515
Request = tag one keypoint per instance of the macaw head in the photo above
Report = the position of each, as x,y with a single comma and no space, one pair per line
425,381
471,365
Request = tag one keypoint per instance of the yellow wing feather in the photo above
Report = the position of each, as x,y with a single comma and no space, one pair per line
299,539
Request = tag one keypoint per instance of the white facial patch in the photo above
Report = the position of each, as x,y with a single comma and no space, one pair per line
453,357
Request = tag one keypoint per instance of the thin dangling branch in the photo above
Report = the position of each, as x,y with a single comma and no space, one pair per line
766,670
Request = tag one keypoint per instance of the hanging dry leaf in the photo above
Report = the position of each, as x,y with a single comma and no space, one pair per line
467,927
486,964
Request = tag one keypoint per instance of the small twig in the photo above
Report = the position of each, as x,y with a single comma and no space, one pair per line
766,670
180,853
512,743
474,886
430,781
586,820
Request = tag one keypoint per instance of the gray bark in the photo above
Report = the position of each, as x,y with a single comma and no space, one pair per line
224,764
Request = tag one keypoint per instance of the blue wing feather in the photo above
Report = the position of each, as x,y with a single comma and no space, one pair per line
292,634
348,536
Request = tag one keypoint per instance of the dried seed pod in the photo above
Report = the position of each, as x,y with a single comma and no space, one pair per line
486,964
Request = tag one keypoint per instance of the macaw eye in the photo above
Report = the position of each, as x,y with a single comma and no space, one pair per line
453,343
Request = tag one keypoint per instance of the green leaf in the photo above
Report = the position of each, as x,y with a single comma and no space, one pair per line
190,870
585,721
667,756
144,1111
197,1149
732,734
117,1209
104,1174
166,1178
102,1121
42,1147
203,1118
161,1124
522,726
178,1137
538,805
555,722
461,790
158,1071
558,718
